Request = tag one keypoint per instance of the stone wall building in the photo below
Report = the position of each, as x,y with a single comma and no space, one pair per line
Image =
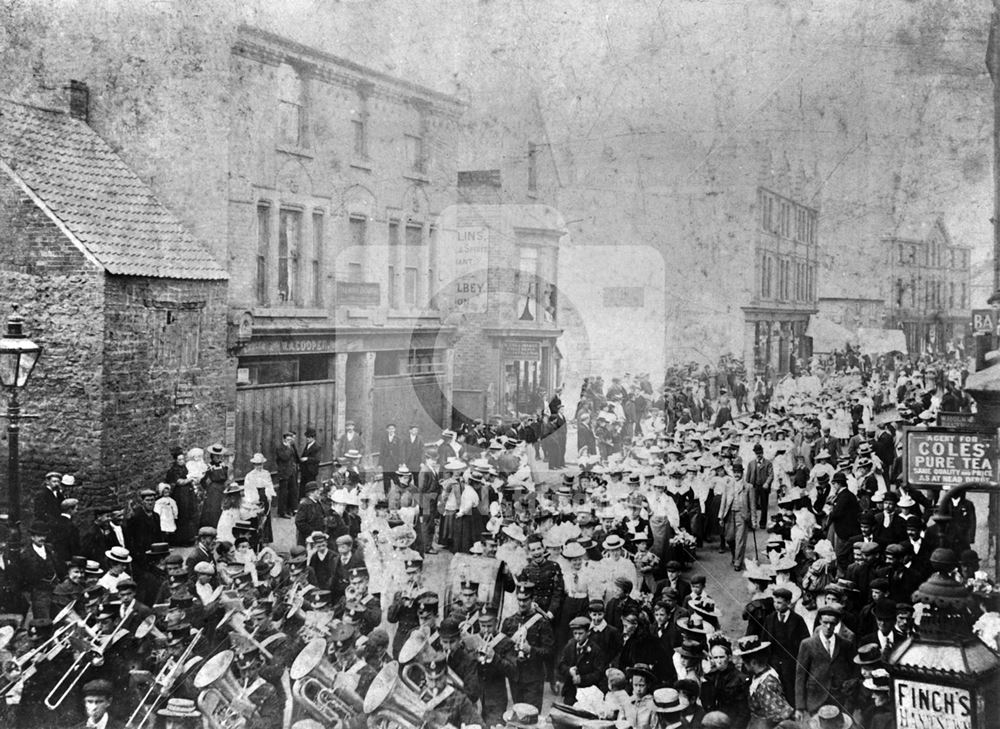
128,307
929,279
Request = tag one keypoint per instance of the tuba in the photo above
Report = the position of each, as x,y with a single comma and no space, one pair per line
390,701
219,691
320,690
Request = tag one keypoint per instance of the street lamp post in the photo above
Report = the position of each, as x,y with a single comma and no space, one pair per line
18,356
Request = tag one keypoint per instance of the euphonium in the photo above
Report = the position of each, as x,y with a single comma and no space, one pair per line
318,689
219,690
392,700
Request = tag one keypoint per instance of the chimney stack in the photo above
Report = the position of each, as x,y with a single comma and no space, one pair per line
79,101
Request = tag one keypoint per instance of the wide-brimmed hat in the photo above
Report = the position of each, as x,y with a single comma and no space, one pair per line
878,681
522,716
613,541
216,449
642,669
573,550
691,649
749,644
179,709
258,458
868,654
669,701
233,488
119,554
353,454
830,717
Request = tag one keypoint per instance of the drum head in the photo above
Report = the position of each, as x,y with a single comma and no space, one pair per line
308,658
214,667
381,687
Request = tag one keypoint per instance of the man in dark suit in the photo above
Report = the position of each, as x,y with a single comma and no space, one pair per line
64,536
785,629
286,458
673,580
204,548
889,525
309,459
38,572
349,441
311,516
963,515
760,475
142,529
428,478
49,498
843,517
413,449
390,456
825,662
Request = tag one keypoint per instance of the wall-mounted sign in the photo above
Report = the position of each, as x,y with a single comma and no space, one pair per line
358,293
931,706
984,321
518,349
942,457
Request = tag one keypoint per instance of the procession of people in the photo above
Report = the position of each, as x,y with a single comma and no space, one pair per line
583,586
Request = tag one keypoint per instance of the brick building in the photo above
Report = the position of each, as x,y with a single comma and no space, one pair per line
929,280
128,306
337,173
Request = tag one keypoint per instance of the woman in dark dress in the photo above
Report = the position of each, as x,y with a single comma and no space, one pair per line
213,483
182,490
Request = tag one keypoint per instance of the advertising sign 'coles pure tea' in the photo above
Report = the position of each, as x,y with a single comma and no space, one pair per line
938,457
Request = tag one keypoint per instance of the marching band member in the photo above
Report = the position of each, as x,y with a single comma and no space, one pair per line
445,704
530,631
403,607
497,661
460,661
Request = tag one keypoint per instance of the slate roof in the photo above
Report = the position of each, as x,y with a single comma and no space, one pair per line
99,199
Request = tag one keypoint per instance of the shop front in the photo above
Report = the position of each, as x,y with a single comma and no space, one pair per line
777,341
528,370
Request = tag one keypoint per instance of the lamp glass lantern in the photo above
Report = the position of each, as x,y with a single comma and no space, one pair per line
18,354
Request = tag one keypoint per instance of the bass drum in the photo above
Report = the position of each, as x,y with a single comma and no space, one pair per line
484,570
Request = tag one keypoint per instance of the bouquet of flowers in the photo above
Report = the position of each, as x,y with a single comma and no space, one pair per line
981,585
988,629
683,539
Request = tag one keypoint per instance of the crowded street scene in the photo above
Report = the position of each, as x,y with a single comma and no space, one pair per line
472,365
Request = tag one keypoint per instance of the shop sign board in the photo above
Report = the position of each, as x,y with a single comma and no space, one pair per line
949,456
931,706
519,349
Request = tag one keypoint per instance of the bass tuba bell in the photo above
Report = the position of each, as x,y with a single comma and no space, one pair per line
390,702
320,690
219,689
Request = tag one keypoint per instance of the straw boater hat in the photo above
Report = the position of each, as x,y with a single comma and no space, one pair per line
179,709
750,644
830,717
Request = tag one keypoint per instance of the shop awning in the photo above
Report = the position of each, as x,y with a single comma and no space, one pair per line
880,341
827,335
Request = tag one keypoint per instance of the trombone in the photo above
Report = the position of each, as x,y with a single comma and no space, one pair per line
92,653
164,681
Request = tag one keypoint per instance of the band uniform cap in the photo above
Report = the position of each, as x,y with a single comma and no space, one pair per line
119,554
580,621
357,572
317,599
525,589
99,687
436,665
428,602
207,531
469,586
